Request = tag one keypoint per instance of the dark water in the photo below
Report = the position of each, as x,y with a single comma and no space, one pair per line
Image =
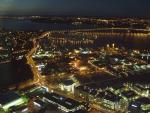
29,25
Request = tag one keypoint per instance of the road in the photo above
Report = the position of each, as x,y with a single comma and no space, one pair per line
39,80
36,75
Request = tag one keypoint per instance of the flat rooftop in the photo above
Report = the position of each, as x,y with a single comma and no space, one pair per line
8,97
67,82
128,94
143,100
61,100
111,96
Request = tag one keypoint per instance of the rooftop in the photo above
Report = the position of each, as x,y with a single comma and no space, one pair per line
143,100
61,100
67,82
111,96
8,97
129,94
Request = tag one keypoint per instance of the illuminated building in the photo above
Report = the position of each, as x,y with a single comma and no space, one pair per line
67,85
141,89
38,90
128,95
63,103
39,104
22,109
111,101
11,99
139,67
140,105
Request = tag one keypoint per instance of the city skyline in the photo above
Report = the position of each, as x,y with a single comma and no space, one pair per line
102,8
74,56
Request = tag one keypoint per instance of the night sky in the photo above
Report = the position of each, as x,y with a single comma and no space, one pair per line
103,8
